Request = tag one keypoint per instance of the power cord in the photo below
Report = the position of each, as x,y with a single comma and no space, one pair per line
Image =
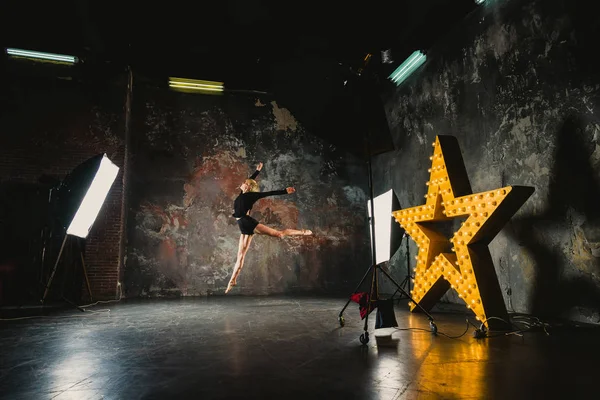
459,336
105,301
83,308
57,317
433,329
528,322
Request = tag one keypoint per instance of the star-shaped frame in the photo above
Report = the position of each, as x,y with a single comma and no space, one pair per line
469,268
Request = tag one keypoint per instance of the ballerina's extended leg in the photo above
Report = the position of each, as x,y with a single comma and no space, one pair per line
265,230
243,247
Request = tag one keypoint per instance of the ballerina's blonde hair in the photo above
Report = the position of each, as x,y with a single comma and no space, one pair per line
253,185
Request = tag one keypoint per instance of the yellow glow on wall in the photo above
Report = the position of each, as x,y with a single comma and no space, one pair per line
196,86
468,269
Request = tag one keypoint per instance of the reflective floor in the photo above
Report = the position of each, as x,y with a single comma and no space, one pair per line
280,347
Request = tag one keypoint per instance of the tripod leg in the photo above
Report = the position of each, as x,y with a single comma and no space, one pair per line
62,246
366,326
373,286
87,281
406,294
357,287
402,284
73,304
364,338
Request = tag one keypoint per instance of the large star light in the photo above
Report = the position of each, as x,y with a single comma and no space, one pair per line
462,262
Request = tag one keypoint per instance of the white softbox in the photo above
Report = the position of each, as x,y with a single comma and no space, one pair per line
388,233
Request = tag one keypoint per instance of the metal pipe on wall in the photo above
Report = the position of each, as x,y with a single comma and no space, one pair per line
125,187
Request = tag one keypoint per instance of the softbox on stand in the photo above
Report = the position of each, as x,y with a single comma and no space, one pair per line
79,200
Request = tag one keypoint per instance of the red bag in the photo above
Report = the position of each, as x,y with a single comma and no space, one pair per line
362,298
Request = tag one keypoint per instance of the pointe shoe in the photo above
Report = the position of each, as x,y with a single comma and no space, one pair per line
306,232
229,287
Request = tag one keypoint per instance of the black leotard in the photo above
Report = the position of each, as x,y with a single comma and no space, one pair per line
244,202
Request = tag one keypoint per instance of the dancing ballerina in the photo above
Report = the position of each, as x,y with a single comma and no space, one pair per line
249,194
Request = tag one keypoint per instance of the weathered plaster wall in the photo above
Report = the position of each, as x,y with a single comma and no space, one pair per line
189,155
518,84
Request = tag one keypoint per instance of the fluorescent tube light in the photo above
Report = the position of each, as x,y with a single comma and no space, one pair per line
194,85
414,61
41,56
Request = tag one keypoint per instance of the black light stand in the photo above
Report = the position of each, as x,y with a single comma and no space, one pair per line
406,282
58,259
73,249
374,268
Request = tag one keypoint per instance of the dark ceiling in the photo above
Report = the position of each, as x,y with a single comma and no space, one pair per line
307,54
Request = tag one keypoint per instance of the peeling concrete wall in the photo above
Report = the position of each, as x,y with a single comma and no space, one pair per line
189,155
518,84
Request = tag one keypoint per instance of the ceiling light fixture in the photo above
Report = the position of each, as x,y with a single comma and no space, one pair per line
38,55
413,62
196,86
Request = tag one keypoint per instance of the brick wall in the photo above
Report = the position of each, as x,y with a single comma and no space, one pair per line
50,130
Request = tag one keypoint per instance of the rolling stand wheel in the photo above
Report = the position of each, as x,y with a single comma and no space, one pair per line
342,321
364,338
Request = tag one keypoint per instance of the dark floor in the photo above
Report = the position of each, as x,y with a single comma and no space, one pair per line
277,347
